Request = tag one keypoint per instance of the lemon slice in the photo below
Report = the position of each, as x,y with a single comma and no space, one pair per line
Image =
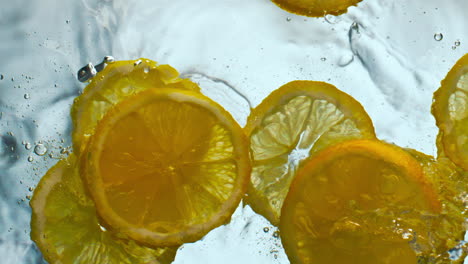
293,122
166,166
345,205
65,226
316,8
450,109
117,81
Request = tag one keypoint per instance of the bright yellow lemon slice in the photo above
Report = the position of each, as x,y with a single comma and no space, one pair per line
117,81
66,229
293,122
316,8
166,166
450,109
348,203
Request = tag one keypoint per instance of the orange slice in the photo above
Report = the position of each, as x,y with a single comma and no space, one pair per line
66,229
450,109
295,121
117,81
316,8
166,166
347,203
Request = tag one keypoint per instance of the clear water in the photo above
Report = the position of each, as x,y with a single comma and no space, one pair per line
388,54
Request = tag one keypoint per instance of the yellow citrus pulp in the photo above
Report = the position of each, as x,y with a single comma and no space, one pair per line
450,109
166,166
316,8
293,122
348,204
66,229
116,82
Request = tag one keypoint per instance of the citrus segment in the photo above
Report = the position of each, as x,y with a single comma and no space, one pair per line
166,166
316,8
293,122
65,226
346,204
117,81
450,109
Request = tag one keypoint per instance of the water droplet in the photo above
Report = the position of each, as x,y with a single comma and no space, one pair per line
27,145
266,229
407,235
12,79
30,158
276,234
438,36
323,59
28,197
136,63
345,60
40,149
67,21
1,77
109,59
288,19
146,70
26,96
457,43
454,47
31,189
331,19
300,244
103,229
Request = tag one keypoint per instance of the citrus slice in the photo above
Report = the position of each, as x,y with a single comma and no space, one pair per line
293,122
66,229
450,109
117,81
316,8
166,166
346,203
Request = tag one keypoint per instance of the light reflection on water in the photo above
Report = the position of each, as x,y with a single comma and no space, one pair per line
384,53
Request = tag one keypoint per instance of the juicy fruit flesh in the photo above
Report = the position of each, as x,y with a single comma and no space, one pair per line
352,207
316,8
66,228
118,81
179,161
301,119
450,109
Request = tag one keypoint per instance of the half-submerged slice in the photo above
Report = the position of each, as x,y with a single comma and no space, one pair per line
293,122
316,8
166,166
66,229
116,82
450,109
356,202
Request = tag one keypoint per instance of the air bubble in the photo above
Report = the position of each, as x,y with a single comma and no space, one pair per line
136,63
288,19
1,77
31,189
26,96
276,234
28,197
30,159
146,70
438,36
323,59
457,43
27,146
266,229
40,149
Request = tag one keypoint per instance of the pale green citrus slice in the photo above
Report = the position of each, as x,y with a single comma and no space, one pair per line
293,122
166,166
117,81
66,229
316,8
450,109
346,203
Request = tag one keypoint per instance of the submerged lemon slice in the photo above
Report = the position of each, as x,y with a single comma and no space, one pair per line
293,122
166,166
65,226
450,109
316,8
117,81
346,203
